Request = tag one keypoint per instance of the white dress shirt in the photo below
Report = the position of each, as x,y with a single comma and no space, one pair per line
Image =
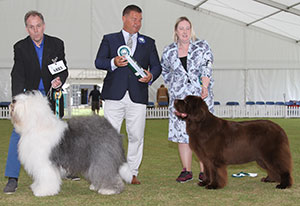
134,43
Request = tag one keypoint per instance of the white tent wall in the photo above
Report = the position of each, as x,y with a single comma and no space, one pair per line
250,63
277,85
5,85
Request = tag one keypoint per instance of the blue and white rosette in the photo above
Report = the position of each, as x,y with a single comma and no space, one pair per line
124,51
141,40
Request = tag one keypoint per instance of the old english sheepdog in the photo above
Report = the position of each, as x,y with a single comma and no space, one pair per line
50,148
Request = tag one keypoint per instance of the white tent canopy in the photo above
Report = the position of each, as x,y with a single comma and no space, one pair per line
254,60
279,16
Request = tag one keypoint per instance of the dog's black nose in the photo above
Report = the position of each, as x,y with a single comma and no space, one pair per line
14,101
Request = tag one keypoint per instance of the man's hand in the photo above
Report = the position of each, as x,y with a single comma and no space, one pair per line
147,78
55,83
120,61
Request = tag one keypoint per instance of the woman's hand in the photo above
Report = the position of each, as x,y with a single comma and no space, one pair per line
204,92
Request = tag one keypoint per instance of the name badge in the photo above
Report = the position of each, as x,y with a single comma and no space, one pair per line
57,67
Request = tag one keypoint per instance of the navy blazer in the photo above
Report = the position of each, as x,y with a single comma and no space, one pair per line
122,79
26,72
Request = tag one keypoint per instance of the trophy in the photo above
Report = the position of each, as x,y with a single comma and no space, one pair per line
133,65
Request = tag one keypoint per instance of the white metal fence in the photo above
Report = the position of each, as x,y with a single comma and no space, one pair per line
256,111
157,113
235,111
4,113
238,111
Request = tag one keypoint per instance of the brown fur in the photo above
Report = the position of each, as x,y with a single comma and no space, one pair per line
219,143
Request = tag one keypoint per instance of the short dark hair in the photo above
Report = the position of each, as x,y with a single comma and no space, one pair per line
33,13
130,8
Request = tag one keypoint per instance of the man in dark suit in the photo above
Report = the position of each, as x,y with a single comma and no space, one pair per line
31,71
125,94
95,99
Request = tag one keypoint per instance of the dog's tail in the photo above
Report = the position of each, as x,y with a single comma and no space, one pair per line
125,172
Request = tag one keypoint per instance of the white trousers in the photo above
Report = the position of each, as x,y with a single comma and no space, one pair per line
115,111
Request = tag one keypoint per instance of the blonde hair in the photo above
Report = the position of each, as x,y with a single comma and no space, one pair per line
180,19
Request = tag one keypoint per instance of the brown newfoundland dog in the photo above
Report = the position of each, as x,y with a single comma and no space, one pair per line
219,143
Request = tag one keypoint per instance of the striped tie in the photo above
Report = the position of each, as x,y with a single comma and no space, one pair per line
129,42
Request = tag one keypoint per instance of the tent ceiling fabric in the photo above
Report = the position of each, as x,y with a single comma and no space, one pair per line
278,16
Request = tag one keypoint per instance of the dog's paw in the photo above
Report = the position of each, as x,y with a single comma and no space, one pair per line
211,187
107,191
266,179
281,186
44,193
93,188
44,190
202,184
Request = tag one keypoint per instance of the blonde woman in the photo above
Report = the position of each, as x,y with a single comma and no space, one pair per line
186,69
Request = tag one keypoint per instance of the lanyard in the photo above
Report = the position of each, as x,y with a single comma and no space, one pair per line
57,95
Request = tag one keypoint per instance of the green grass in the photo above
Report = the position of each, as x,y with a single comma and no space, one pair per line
158,171
84,111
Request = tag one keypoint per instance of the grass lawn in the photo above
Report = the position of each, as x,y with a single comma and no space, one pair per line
158,172
85,111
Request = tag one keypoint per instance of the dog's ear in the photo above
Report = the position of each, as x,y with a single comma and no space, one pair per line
197,108
17,109
189,104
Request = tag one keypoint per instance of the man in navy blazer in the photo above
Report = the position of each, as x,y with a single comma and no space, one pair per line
126,95
32,56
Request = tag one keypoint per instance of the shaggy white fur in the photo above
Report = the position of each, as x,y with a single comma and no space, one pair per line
49,148
37,140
